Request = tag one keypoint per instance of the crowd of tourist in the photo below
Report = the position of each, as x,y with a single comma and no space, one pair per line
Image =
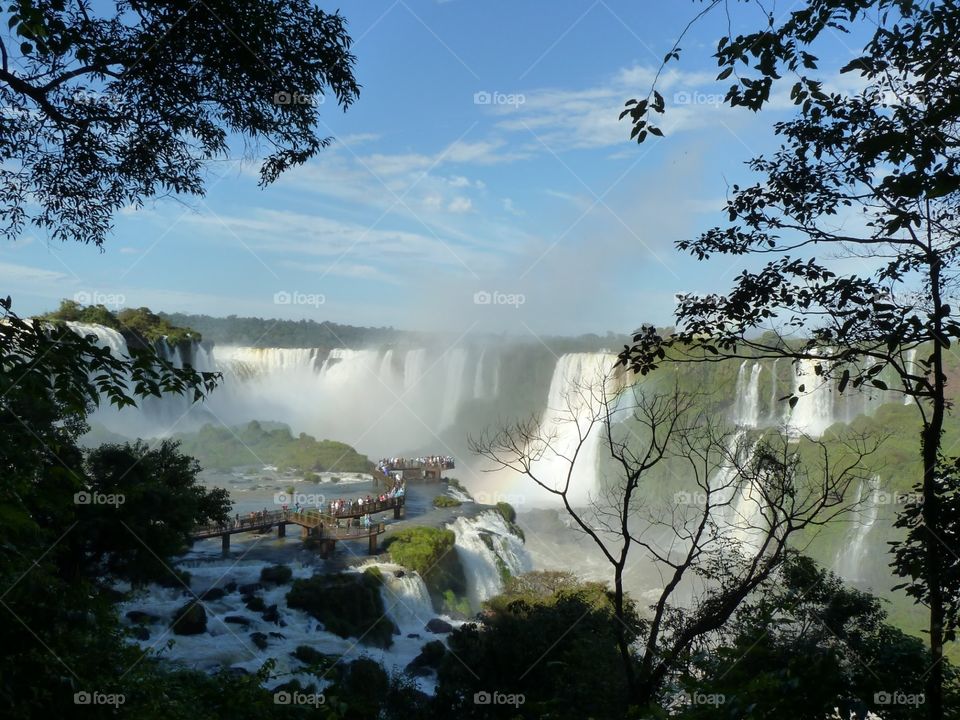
373,503
386,465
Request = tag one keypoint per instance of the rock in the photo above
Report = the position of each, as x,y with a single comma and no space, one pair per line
191,619
276,574
413,635
231,587
255,603
213,594
277,636
308,655
250,588
271,614
142,618
399,573
238,620
418,670
238,671
259,639
140,632
439,627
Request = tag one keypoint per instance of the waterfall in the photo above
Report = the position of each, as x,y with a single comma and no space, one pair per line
572,425
405,596
246,362
489,553
106,337
853,551
814,411
747,406
478,376
455,366
775,409
413,368
386,373
496,377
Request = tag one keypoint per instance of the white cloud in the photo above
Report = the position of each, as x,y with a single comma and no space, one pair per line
460,205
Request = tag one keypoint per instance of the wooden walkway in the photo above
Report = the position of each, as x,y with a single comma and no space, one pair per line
316,527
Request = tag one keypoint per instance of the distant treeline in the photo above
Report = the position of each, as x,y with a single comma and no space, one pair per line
266,332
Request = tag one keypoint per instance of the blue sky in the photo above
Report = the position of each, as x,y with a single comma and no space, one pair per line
483,161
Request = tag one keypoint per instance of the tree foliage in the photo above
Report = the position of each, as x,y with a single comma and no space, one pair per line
108,104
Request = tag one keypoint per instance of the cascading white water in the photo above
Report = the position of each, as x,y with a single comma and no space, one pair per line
406,599
747,405
248,362
454,377
478,376
106,337
571,428
488,551
814,411
850,558
414,366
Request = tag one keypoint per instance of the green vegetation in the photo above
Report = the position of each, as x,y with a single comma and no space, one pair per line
510,518
135,323
573,626
430,552
223,448
348,605
445,501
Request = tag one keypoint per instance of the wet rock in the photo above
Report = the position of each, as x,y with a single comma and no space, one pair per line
439,627
272,615
191,619
238,620
259,639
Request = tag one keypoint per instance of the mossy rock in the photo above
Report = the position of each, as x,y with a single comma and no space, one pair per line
276,574
445,501
191,619
430,552
348,605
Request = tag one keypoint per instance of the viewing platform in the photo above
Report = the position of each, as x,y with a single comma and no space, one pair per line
429,468
317,527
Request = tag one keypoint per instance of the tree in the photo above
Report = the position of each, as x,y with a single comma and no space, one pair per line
805,646
874,175
60,631
745,500
108,104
